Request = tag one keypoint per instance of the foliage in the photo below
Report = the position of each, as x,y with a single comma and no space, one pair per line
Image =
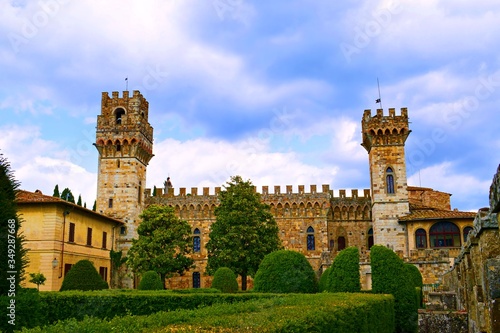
225,280
67,195
56,192
163,245
345,276
38,279
12,251
323,280
83,276
28,312
416,278
154,191
79,202
285,271
389,276
326,312
244,231
150,281
94,206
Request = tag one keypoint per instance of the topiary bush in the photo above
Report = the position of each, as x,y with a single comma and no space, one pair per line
150,281
83,276
390,276
323,280
285,271
225,280
416,278
344,276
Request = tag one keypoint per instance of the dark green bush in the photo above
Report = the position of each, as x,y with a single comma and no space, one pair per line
83,276
344,276
150,281
416,278
285,271
25,312
325,312
323,280
390,276
225,280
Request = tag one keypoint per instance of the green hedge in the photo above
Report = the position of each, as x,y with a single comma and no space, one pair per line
325,312
225,280
26,310
83,276
323,280
345,276
150,281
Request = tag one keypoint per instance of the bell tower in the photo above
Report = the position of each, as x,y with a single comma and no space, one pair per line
384,138
124,140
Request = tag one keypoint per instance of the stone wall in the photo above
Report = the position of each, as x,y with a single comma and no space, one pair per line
429,197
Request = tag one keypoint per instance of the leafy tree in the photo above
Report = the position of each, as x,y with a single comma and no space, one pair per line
225,280
56,192
12,251
38,279
244,231
83,276
345,276
94,206
150,281
285,271
390,276
163,244
79,202
67,195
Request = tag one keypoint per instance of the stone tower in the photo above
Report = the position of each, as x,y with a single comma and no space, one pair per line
124,139
384,138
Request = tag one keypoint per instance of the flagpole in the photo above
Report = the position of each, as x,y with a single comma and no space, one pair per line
126,83
379,97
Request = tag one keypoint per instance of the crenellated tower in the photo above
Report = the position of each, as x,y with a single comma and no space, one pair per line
124,139
384,138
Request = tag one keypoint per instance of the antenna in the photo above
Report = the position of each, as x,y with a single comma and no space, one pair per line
379,100
126,84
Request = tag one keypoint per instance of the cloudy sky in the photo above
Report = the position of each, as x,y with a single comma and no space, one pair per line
271,90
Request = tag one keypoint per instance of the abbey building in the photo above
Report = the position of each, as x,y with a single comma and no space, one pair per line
418,223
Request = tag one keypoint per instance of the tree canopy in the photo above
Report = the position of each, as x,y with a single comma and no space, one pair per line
244,231
67,195
163,244
56,192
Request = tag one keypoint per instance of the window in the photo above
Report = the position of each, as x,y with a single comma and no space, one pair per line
421,239
118,147
196,280
123,230
118,164
341,243
67,267
118,114
196,240
332,244
370,238
104,239
71,237
444,234
110,203
311,246
89,236
103,272
389,179
139,190
466,233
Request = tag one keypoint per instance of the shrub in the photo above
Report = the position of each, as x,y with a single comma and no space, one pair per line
27,311
323,280
150,281
225,280
389,276
344,276
83,276
285,271
416,278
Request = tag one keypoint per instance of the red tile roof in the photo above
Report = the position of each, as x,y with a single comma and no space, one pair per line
420,212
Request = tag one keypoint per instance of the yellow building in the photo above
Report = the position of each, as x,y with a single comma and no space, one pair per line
60,233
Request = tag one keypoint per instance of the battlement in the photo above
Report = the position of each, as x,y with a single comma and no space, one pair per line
367,115
382,130
206,191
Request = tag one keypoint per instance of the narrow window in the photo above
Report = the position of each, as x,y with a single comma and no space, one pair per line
118,114
341,243
467,230
71,237
196,240
139,194
104,239
118,164
123,230
196,280
370,238
389,178
103,272
110,203
89,236
118,147
67,268
310,239
421,239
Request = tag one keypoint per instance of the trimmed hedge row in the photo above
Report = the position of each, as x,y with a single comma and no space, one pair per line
108,304
325,312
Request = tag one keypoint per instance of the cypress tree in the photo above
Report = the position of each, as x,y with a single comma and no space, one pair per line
67,195
79,202
94,206
56,192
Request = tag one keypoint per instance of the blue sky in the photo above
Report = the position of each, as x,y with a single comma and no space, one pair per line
273,91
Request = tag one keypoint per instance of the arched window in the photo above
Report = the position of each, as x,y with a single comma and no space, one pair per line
389,180
421,239
466,233
118,115
370,238
196,280
341,243
311,246
196,240
444,234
